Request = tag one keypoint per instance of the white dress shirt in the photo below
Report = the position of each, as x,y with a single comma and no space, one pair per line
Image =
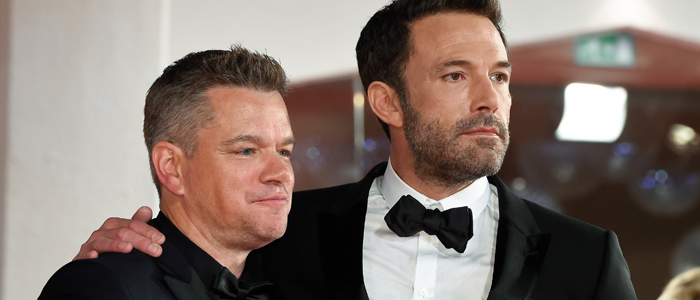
420,267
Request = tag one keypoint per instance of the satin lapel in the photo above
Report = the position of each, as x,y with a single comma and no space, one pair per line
342,231
520,247
179,274
195,289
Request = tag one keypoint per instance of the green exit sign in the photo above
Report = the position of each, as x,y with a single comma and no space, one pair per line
610,49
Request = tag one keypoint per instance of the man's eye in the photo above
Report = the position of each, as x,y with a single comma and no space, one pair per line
498,77
246,151
286,153
454,76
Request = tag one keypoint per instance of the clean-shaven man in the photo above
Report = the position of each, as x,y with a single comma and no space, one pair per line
219,142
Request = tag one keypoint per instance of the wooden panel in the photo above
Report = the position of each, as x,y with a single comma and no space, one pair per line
662,63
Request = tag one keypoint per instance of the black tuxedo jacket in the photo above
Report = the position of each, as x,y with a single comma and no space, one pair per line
540,254
127,276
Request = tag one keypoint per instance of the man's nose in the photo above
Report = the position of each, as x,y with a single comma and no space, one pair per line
277,170
484,95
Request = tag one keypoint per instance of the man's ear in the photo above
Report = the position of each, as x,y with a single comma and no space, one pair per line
385,103
168,160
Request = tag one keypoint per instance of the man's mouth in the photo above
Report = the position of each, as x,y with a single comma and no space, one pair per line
482,131
274,200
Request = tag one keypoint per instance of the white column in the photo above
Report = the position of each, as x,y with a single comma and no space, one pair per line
78,75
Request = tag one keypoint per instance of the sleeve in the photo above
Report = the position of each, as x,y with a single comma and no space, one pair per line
85,279
614,281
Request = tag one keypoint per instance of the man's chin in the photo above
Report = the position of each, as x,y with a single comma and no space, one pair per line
490,162
273,230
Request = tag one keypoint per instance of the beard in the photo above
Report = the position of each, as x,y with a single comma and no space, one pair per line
442,156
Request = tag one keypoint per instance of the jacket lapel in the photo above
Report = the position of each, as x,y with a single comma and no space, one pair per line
179,274
183,290
342,232
520,247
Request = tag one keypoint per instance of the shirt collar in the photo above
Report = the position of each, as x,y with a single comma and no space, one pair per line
475,196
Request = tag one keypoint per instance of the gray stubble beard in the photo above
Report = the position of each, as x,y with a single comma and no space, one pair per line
439,158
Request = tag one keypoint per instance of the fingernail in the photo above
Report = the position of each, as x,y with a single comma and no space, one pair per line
153,248
158,237
122,245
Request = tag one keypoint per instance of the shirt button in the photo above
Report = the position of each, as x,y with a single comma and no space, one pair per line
423,292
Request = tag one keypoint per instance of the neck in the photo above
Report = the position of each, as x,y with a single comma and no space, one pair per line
230,257
403,164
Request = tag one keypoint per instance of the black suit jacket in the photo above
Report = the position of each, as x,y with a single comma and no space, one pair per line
127,276
540,254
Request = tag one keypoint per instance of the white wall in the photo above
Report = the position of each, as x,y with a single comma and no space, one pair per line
317,37
78,75
535,20
312,38
79,70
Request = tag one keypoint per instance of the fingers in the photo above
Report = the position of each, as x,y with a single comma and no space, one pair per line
141,236
82,255
139,227
144,230
92,248
123,235
138,234
143,214
121,240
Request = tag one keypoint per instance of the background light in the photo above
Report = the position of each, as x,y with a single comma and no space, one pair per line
592,113
683,140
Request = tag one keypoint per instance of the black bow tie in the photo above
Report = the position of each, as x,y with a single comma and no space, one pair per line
227,287
453,227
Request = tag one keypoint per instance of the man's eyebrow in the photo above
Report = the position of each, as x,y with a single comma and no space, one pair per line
503,64
254,139
461,62
241,138
289,141
451,63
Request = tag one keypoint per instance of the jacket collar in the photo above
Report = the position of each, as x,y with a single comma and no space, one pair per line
520,247
180,277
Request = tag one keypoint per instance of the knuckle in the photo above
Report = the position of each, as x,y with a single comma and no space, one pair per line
110,222
121,233
133,225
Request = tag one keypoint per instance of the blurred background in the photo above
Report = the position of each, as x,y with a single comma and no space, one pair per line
606,109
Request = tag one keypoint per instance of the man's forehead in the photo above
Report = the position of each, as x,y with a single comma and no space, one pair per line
453,23
456,34
239,93
245,102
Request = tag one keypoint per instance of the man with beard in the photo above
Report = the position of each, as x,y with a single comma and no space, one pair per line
434,222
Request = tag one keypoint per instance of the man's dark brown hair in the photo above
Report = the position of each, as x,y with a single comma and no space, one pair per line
176,105
385,46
